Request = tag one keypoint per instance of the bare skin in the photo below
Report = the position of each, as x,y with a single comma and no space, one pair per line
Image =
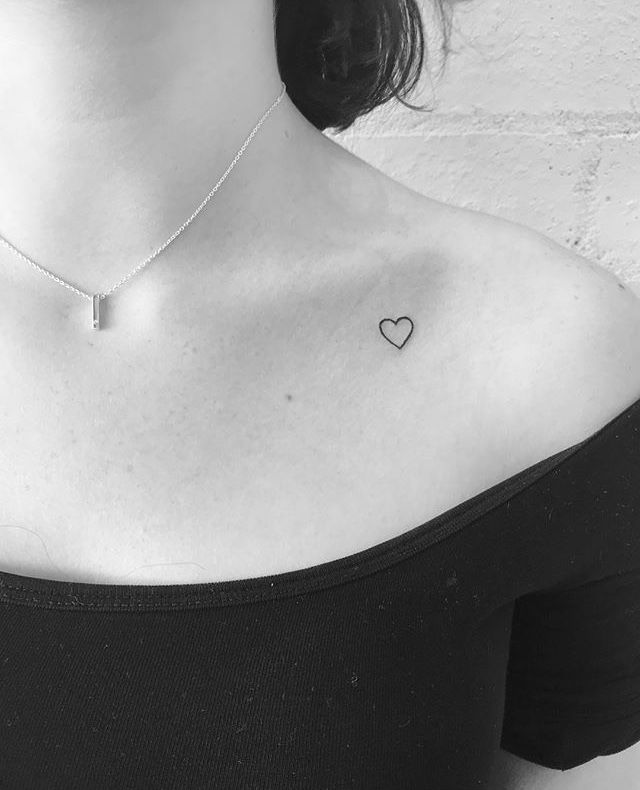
212,438
230,436
240,413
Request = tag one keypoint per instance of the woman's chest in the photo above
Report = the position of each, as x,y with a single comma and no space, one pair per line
189,467
243,443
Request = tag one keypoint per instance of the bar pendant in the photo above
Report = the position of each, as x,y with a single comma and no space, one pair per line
96,311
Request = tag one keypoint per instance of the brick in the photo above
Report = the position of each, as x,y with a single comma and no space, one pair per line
616,205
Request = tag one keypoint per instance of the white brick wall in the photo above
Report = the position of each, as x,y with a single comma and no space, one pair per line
536,118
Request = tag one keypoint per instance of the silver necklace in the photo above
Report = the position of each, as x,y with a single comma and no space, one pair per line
96,298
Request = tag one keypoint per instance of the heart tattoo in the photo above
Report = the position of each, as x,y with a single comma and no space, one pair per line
393,332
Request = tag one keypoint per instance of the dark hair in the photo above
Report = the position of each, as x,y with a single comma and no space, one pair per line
340,59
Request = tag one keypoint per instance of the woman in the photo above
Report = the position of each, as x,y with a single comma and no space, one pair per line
275,506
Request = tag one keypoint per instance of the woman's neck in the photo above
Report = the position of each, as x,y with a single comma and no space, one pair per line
118,118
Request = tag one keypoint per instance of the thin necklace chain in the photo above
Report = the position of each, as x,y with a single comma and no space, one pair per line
177,233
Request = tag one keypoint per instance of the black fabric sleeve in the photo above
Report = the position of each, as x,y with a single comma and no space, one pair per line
573,677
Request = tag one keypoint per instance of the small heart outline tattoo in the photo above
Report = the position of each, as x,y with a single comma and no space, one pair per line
395,326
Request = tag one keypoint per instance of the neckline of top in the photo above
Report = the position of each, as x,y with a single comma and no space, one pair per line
57,594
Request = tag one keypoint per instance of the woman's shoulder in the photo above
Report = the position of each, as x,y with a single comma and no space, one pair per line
569,327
